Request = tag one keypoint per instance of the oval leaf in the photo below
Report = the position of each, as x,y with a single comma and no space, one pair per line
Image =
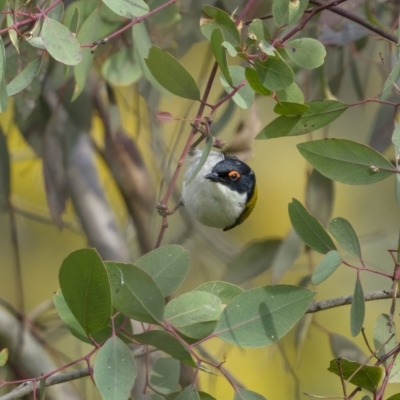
168,266
346,161
306,52
214,18
292,94
135,293
255,83
189,393
164,376
326,267
287,108
367,376
3,357
217,38
263,315
60,42
343,347
167,343
86,289
114,370
244,97
385,337
128,8
25,78
309,230
225,291
288,12
171,74
274,73
194,313
346,236
320,114
357,311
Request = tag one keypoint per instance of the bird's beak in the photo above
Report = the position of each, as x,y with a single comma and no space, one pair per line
213,176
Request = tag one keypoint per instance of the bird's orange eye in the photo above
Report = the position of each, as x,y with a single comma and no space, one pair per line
234,175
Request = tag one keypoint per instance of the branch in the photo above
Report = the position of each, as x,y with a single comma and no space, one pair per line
28,387
355,18
342,301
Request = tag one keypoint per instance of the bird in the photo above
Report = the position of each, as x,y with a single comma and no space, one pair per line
223,193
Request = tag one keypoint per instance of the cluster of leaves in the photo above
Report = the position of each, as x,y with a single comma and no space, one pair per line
97,300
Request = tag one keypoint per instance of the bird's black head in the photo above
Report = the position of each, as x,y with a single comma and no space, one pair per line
234,174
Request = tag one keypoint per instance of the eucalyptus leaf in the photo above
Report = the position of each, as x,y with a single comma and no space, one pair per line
217,38
320,114
171,74
326,267
286,108
225,291
274,73
346,236
346,161
167,265
128,8
189,393
3,87
244,97
287,12
391,80
367,376
25,78
84,282
214,18
291,94
3,357
306,52
114,370
244,394
357,311
5,171
261,316
255,83
310,231
60,42
164,376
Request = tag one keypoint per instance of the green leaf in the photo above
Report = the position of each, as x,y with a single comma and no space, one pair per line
167,265
231,50
42,389
258,30
261,316
286,108
225,291
85,286
75,327
244,394
189,393
326,267
171,74
88,33
3,86
306,52
128,8
134,293
255,83
25,78
368,377
5,186
291,94
346,236
288,12
319,196
393,77
12,33
320,114
255,259
357,311
114,370
309,230
394,397
274,73
60,42
206,396
3,357
214,18
120,69
244,97
342,347
164,376
385,340
346,161
56,12
194,313
217,38
167,343
2,4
